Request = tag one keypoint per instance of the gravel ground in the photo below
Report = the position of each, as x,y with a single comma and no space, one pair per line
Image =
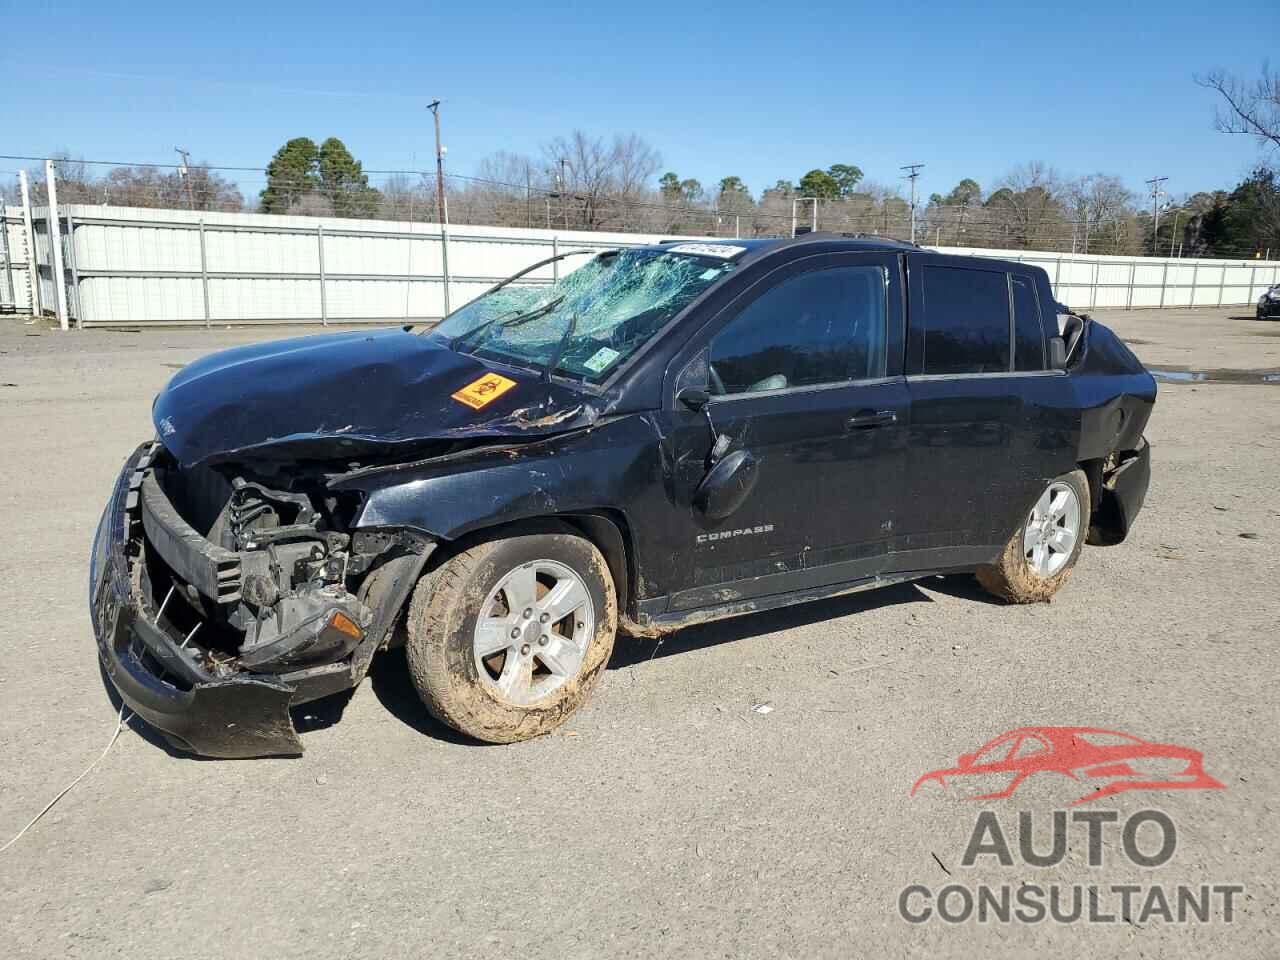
669,817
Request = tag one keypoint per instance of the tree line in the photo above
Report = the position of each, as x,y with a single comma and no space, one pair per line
587,182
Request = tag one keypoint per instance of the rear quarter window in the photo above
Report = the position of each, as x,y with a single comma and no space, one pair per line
966,320
1028,330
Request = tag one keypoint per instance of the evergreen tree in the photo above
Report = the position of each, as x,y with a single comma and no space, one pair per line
819,183
344,182
291,175
846,176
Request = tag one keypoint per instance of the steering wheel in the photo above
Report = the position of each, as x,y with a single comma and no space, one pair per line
717,385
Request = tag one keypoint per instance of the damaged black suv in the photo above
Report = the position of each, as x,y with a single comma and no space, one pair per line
665,435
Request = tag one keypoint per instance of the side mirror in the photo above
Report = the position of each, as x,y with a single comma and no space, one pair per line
694,398
727,485
1057,353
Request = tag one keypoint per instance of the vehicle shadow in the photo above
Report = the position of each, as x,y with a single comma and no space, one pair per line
390,682
629,651
322,713
389,679
962,586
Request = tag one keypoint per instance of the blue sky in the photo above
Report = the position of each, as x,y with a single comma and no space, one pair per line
760,90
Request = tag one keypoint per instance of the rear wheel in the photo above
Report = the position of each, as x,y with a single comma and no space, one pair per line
1041,554
508,638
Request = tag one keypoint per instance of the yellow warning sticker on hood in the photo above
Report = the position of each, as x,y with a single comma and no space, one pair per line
482,392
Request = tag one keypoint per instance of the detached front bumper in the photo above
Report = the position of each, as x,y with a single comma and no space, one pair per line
160,680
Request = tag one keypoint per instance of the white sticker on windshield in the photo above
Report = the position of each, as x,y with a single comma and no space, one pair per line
710,274
601,359
723,251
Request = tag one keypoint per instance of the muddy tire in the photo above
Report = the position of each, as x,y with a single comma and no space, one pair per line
507,638
1039,557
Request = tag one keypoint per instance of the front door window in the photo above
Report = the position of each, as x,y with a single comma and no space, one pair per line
822,327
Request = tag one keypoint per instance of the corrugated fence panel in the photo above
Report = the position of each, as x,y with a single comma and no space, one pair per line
129,266
147,266
14,280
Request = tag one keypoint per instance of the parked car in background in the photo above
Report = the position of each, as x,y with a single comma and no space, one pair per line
666,435
1269,304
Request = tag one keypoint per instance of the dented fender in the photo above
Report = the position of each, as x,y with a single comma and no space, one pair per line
613,465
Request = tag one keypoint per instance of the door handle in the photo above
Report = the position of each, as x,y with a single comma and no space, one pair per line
868,419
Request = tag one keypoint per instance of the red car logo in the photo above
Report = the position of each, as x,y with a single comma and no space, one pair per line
1115,761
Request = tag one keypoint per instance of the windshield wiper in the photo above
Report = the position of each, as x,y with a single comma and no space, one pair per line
554,360
515,321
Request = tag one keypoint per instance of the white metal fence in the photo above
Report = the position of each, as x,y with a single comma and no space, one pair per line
133,266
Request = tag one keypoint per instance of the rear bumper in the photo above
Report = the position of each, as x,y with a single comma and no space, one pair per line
161,680
1124,490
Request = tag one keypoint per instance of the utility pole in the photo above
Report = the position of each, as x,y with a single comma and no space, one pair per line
1156,194
59,275
184,172
434,107
913,172
564,207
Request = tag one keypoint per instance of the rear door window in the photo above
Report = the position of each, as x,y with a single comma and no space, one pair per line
1028,333
966,321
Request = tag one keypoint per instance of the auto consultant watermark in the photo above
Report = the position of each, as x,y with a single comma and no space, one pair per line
1102,763
1148,839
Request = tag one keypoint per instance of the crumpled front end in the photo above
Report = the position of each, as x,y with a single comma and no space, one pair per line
216,613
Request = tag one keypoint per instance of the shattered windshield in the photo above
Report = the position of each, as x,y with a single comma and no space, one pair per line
590,320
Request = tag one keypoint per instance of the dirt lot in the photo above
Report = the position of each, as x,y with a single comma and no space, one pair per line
669,818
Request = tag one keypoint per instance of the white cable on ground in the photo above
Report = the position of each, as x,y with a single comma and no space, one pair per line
120,722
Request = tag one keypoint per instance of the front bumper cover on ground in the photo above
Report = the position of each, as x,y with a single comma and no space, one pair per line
244,716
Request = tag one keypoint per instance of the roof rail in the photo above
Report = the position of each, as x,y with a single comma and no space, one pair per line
833,235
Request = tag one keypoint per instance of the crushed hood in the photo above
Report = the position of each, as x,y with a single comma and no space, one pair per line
348,392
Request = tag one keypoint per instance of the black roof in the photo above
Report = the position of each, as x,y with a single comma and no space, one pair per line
850,241
750,251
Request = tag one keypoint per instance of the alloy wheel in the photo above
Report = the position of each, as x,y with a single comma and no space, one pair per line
533,631
1052,529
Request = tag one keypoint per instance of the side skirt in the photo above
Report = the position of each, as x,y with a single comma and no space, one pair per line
657,624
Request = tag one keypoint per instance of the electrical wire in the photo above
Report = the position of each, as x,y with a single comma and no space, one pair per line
120,723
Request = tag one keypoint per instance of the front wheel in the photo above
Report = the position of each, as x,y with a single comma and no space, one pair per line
507,638
1041,554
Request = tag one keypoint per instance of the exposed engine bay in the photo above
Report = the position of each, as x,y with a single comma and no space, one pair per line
258,573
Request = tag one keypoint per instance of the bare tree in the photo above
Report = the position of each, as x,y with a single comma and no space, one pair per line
600,178
1252,109
405,197
635,163
140,186
1095,200
1027,200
